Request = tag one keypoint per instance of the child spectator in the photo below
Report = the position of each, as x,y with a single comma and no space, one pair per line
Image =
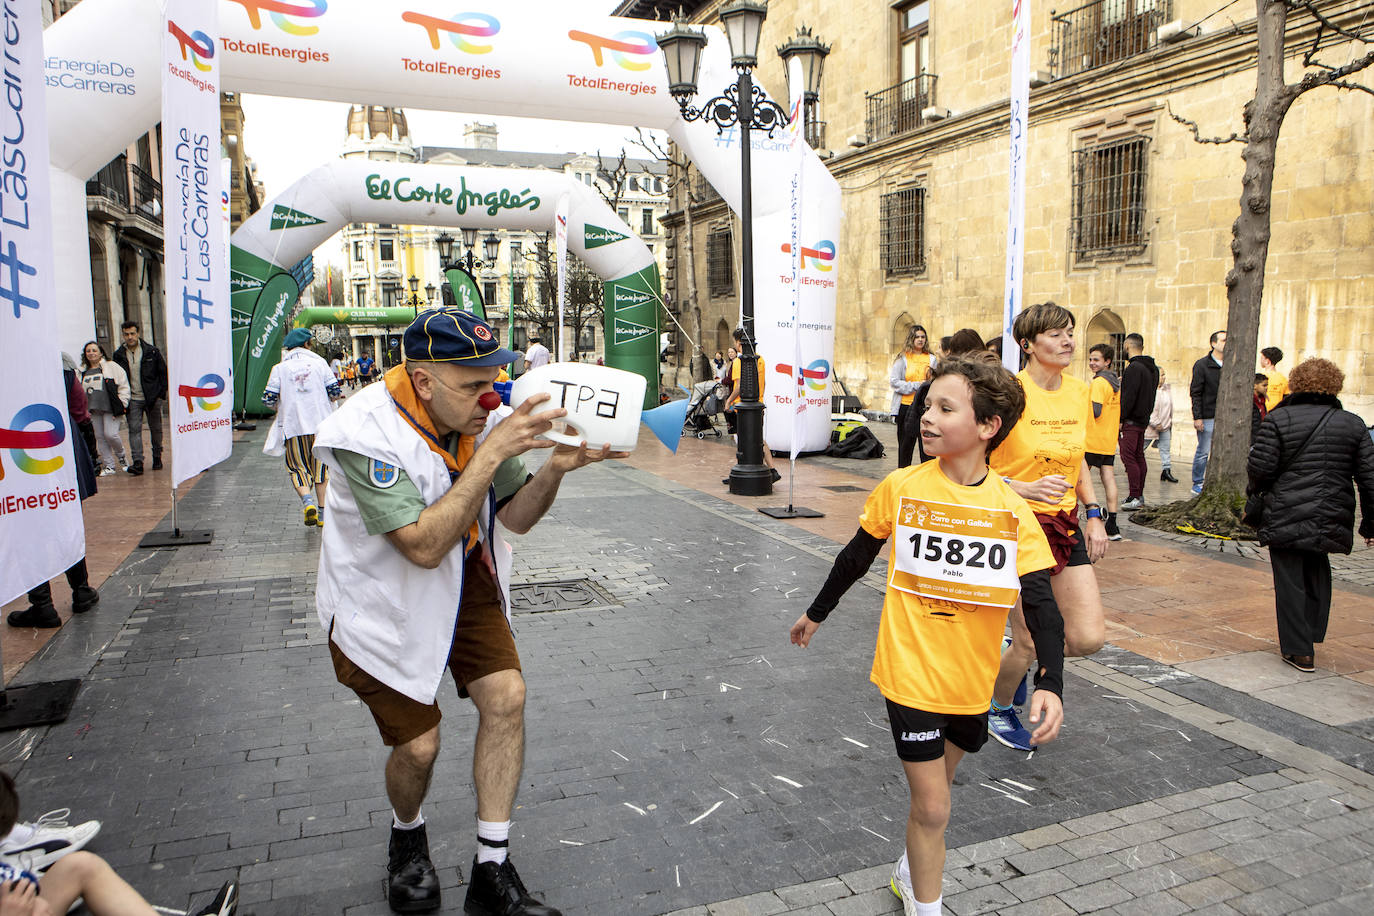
965,547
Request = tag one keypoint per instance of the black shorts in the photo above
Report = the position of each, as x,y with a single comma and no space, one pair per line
920,736
1099,461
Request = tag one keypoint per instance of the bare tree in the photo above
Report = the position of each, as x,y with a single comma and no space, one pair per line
1250,233
680,188
583,305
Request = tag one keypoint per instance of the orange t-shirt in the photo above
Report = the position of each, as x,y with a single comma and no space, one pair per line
917,368
735,375
941,654
1050,438
1104,430
1277,390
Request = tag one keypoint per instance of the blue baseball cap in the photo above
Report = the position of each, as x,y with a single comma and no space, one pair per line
297,337
451,335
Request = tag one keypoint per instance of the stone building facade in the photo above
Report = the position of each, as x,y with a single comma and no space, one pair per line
1128,219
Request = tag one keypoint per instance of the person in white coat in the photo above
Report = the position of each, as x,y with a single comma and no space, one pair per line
414,578
302,389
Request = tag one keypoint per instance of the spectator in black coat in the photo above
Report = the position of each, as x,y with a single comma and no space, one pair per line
1139,383
1304,458
147,372
1203,390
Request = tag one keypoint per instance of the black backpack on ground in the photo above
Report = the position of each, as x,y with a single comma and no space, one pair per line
859,442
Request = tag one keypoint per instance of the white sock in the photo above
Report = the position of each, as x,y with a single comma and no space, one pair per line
308,499
904,870
929,909
402,825
493,839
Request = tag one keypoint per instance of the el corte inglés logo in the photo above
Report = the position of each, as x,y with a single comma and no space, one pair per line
596,236
405,190
286,218
240,280
626,331
630,298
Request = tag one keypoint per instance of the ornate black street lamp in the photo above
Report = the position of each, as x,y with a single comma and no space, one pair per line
742,104
810,53
415,300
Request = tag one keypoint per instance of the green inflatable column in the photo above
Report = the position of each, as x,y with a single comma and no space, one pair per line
631,327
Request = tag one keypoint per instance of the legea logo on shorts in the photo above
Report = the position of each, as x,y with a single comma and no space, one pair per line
459,29
282,11
209,386
820,256
630,49
18,439
814,376
196,47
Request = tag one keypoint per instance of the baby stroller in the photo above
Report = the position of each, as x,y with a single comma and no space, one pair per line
706,401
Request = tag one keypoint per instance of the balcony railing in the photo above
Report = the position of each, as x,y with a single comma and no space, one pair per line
147,193
1105,31
898,108
815,134
112,181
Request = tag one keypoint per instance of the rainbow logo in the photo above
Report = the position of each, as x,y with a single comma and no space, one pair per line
630,49
459,28
18,439
813,376
209,386
280,10
820,256
196,47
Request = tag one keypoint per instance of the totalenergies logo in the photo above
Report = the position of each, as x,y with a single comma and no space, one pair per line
813,376
196,47
209,386
459,29
18,439
281,11
630,49
819,256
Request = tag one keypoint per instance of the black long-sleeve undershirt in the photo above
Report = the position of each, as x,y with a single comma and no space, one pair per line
1038,606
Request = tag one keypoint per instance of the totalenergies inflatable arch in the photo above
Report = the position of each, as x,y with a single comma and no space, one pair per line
364,191
535,59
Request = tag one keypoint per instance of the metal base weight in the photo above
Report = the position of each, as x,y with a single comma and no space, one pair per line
791,512
245,426
37,704
177,537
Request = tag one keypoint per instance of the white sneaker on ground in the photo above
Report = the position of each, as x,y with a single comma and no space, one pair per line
39,844
107,472
903,891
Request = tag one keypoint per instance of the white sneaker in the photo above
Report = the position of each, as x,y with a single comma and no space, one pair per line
903,891
39,844
107,472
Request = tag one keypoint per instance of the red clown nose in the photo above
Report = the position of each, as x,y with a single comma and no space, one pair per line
489,400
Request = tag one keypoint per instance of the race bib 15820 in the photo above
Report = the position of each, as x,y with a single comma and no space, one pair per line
956,553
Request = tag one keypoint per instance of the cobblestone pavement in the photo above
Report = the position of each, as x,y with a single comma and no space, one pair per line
682,757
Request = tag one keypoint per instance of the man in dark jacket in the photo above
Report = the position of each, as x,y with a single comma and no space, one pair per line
1203,389
1139,381
147,372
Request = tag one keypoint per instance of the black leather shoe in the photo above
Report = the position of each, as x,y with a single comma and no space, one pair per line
411,884
1168,476
136,468
1304,663
84,598
496,890
157,462
43,616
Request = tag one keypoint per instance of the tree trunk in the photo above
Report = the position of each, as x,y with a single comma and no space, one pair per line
1226,476
687,268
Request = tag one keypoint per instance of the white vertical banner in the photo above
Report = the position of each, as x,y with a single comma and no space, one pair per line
560,231
41,531
1016,203
201,400
796,139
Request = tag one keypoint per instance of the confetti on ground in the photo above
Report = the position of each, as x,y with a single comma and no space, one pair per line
795,785
852,741
705,814
636,808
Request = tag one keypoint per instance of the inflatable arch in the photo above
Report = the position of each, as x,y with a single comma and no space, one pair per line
537,59
346,191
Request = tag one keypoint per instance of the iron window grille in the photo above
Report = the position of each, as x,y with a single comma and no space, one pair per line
1105,31
902,233
720,259
1109,199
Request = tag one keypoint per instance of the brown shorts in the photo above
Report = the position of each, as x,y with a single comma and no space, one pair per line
482,644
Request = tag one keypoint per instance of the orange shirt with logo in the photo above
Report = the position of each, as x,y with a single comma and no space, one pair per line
917,368
1050,438
936,653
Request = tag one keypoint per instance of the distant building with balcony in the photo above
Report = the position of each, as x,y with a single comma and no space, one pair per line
1128,218
380,259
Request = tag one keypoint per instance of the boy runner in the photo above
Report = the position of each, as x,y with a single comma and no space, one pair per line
1105,429
964,546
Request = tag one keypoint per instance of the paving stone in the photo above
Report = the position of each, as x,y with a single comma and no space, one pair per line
1160,903
1042,836
989,899
869,903
813,892
1096,896
1040,884
1205,892
1045,906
